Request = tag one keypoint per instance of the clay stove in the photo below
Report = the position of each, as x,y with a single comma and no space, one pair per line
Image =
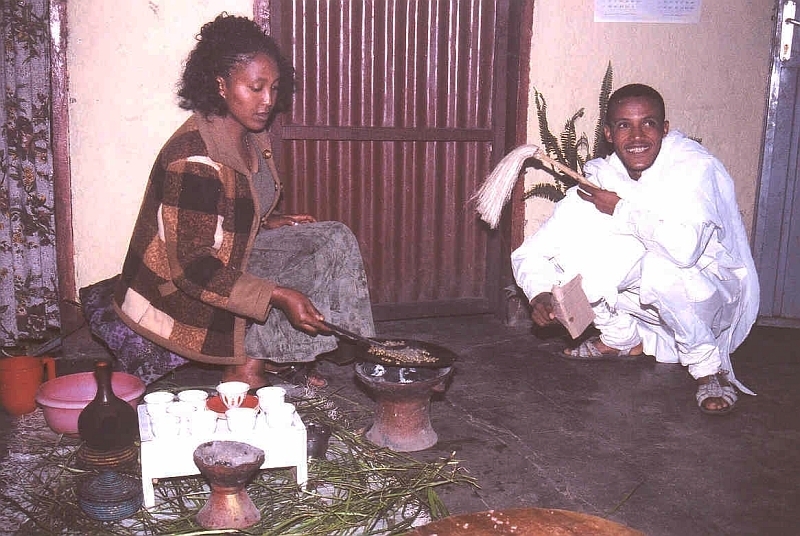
402,420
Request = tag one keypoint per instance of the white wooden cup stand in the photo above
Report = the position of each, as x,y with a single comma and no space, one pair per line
167,457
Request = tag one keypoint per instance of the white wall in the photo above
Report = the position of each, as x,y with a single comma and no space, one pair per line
124,60
125,57
713,76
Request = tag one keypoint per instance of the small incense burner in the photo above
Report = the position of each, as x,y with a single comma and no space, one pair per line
228,466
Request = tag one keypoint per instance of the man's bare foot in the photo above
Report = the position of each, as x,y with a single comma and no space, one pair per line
594,349
251,372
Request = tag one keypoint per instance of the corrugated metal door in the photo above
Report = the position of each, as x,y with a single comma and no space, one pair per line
400,104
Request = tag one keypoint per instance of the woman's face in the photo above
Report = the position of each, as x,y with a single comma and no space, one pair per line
250,91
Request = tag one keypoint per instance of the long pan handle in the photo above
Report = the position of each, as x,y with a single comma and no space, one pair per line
352,336
443,358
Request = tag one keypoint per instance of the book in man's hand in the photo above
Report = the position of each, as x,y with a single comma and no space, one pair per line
571,306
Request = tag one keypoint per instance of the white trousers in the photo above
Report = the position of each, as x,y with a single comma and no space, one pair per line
682,315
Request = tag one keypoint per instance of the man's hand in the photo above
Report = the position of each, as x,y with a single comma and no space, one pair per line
299,310
542,310
603,200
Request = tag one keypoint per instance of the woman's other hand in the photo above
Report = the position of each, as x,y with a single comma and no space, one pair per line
301,313
273,221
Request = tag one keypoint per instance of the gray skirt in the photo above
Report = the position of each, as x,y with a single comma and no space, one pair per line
323,261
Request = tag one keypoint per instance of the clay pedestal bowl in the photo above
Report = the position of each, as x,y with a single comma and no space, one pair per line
228,466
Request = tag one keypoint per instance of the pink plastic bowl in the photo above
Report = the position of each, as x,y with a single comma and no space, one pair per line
62,399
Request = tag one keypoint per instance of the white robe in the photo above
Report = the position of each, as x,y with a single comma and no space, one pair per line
671,267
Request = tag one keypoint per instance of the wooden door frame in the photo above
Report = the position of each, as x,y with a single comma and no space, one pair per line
512,227
71,316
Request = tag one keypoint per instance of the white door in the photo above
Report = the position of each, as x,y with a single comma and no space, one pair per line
777,226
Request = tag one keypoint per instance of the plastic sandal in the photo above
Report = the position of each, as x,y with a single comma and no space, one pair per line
587,351
716,387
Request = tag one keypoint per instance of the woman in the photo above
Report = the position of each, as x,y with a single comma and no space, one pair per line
214,273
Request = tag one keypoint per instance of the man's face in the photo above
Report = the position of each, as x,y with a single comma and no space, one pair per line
635,128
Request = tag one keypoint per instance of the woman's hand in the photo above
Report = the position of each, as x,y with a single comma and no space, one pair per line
542,310
299,310
273,221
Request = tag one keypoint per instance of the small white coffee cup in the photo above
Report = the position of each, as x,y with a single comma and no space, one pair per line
241,420
204,423
270,396
280,415
195,397
184,412
164,425
233,393
158,401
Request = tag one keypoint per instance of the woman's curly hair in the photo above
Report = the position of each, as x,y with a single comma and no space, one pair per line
222,44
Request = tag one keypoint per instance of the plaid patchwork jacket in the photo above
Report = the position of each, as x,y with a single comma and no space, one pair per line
184,284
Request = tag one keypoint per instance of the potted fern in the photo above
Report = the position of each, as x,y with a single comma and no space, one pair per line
568,148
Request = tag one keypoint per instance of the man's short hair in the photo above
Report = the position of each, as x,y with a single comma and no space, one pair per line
636,90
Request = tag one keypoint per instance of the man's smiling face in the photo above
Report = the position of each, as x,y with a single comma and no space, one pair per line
635,127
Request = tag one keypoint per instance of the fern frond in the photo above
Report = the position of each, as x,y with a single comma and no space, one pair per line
549,140
551,192
569,138
568,148
600,148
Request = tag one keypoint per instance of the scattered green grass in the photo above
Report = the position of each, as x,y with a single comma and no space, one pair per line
359,489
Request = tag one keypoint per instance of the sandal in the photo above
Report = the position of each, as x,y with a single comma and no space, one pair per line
304,375
717,386
588,351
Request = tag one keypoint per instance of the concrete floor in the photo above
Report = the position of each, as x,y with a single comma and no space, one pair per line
624,441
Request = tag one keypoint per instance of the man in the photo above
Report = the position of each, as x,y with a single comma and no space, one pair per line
661,249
